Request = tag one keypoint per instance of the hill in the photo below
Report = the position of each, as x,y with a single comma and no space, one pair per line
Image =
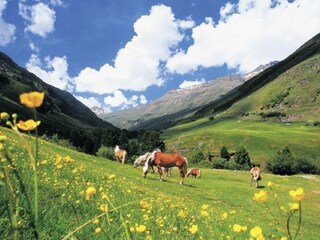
82,196
61,113
282,95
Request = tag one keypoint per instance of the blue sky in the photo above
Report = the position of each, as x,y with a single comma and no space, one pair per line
122,53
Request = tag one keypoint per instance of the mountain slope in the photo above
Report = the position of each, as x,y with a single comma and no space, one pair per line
177,104
61,113
306,51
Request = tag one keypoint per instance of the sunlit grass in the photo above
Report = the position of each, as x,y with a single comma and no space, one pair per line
125,205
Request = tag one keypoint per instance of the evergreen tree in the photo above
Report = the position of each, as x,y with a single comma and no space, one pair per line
242,157
224,153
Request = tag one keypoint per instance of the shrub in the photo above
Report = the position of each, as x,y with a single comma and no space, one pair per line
282,163
242,157
197,157
219,163
224,153
303,165
105,152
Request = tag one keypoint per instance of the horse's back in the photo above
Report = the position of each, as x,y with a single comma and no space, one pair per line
169,159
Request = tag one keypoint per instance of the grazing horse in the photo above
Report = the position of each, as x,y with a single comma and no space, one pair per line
120,154
255,175
141,161
195,172
167,160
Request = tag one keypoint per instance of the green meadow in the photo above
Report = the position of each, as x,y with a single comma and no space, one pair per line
86,197
262,139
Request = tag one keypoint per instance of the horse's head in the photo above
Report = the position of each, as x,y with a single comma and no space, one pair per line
136,162
116,149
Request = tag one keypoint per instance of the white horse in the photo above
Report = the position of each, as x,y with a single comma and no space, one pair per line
120,154
141,160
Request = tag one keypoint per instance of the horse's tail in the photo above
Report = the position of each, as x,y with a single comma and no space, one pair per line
185,165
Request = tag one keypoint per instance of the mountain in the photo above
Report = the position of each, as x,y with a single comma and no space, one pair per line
61,113
176,104
293,87
98,111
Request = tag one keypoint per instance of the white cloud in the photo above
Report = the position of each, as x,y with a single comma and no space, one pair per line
89,102
187,83
54,73
7,30
137,65
39,17
249,33
120,100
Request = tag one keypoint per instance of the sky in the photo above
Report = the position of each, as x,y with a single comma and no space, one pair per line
118,54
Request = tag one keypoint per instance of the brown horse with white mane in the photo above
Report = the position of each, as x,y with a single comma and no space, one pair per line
167,160
120,154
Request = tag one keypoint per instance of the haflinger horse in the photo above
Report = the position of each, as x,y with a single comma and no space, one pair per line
166,160
195,172
255,175
120,154
141,161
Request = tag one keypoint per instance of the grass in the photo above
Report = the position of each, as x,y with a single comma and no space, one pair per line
141,208
262,139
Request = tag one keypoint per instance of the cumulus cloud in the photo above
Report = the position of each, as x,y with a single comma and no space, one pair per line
120,100
40,18
249,33
54,72
7,30
89,102
138,65
187,83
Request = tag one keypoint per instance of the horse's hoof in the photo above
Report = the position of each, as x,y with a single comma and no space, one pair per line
181,183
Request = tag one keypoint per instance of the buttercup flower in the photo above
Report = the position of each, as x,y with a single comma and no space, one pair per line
270,184
104,208
98,230
193,229
144,204
91,191
256,232
297,194
224,216
28,125
182,214
4,116
141,229
237,228
32,99
204,206
294,206
262,196
204,214
112,176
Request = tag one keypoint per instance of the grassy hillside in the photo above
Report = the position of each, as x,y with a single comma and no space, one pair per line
296,94
262,139
127,206
304,53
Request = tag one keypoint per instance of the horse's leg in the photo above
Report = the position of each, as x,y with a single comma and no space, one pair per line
182,174
160,172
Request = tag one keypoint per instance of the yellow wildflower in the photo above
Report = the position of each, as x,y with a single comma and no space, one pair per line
4,116
283,238
32,99
270,184
297,194
262,196
224,216
182,214
104,196
131,229
294,206
204,214
244,228
91,191
237,228
112,176
193,229
104,208
96,221
98,230
256,231
144,204
140,229
28,125
204,206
